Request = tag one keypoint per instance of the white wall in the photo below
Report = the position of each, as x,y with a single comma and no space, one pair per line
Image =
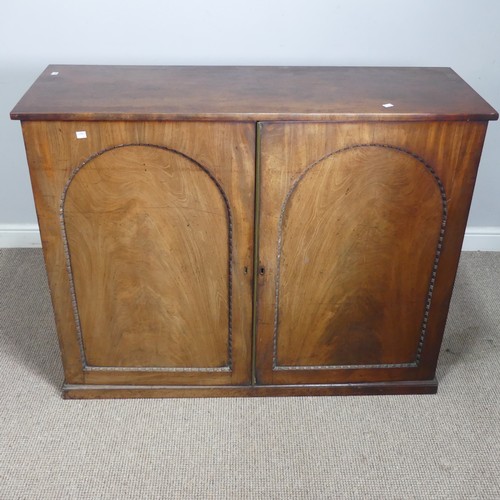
458,33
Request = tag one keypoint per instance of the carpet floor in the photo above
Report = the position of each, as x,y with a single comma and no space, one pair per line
394,447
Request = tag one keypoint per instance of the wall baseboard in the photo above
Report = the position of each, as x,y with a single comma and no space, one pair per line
485,239
19,236
477,238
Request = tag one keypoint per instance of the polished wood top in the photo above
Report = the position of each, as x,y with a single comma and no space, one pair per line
247,93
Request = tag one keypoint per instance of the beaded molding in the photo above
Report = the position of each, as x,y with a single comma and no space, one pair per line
69,269
423,328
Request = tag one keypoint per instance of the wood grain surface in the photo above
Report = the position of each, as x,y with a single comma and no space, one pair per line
71,391
358,242
223,93
353,271
152,285
148,236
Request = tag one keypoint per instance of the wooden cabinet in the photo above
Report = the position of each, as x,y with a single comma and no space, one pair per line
251,231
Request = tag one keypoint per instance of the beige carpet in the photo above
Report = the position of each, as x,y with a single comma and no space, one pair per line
393,447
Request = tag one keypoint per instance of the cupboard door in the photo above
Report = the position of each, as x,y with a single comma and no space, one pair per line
149,234
360,231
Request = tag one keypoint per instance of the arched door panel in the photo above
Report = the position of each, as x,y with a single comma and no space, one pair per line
149,251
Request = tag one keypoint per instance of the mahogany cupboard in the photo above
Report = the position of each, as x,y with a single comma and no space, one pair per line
236,231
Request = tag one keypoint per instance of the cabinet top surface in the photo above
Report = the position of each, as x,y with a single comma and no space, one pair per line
250,93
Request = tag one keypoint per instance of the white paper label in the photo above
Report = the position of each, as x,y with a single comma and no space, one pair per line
81,134
388,105
54,73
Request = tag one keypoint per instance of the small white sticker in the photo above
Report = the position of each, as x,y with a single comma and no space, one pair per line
54,73
388,105
81,134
